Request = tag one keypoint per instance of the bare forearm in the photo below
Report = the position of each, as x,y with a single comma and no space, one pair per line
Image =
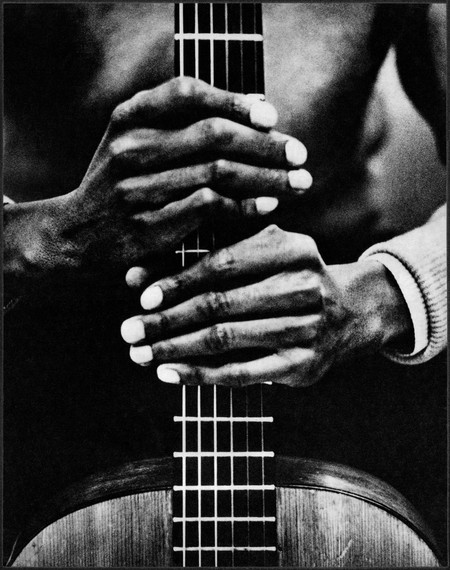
381,316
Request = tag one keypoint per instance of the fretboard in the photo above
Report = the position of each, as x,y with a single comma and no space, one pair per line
224,498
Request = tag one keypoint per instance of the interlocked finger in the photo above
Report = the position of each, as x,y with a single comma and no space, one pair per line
271,334
279,295
269,252
290,366
142,150
191,99
230,179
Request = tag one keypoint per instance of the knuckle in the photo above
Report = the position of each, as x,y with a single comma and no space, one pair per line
239,378
196,377
120,150
272,231
184,87
208,198
216,304
309,284
123,194
301,247
161,323
221,262
219,171
120,114
219,338
216,131
313,327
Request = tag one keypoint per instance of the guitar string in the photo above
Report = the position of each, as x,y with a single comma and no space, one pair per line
247,460
199,394
183,390
233,555
256,62
216,561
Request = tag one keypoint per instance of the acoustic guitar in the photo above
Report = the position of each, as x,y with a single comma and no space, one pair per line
224,499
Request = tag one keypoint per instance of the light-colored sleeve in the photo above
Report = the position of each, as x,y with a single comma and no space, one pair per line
418,263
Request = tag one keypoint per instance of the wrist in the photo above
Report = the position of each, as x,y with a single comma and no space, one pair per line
380,313
34,251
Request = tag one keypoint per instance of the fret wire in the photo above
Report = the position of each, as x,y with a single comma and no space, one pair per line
246,488
256,38
228,548
231,454
225,419
223,519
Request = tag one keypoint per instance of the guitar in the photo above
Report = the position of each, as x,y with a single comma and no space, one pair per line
223,500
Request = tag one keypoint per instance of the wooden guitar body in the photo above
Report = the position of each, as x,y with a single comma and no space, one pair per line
328,515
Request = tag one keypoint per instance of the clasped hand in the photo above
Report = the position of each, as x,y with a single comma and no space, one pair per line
271,295
172,157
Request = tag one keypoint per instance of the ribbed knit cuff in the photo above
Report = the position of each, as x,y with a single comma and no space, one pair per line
422,253
414,301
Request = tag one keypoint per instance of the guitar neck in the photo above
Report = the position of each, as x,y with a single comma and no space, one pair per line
224,499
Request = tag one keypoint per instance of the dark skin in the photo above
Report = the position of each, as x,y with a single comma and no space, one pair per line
149,185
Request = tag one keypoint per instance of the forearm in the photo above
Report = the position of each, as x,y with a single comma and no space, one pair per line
377,309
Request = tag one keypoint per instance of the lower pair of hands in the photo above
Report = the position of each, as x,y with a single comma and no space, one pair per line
264,309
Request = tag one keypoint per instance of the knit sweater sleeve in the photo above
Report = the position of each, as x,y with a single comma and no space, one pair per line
417,261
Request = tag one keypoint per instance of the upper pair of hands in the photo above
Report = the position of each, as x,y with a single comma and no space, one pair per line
171,158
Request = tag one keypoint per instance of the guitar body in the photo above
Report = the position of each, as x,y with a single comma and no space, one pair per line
328,515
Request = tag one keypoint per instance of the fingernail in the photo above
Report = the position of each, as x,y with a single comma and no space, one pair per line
168,375
136,276
152,297
141,354
132,330
296,153
266,204
263,114
300,179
